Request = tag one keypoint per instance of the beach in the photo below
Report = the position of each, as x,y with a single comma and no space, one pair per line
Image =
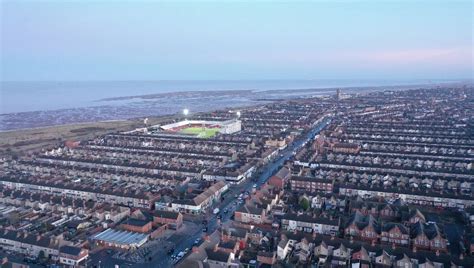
32,107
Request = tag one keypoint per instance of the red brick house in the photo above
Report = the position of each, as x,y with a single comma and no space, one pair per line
310,184
173,219
370,232
280,178
229,246
361,226
388,211
395,233
136,225
250,214
428,236
416,216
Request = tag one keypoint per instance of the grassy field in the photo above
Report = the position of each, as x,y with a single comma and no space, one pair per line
19,142
200,132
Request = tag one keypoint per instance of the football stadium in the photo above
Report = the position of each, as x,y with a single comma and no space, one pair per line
203,128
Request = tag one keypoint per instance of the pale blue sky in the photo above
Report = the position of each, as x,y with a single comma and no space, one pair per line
152,40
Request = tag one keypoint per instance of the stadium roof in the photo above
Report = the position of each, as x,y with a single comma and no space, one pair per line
120,237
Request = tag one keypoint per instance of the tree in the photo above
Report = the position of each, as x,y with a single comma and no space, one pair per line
41,256
304,203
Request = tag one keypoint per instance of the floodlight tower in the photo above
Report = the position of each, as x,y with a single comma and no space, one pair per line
185,112
238,114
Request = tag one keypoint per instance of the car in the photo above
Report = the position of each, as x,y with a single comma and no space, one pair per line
219,217
204,229
196,242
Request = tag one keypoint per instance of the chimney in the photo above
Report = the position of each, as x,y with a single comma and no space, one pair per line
437,252
394,246
373,243
414,249
38,237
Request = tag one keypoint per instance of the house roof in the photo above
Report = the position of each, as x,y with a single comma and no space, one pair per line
208,192
390,225
217,255
166,214
70,250
230,244
308,218
136,222
120,237
431,230
26,238
250,210
283,173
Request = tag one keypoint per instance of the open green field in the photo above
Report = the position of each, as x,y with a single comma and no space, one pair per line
200,132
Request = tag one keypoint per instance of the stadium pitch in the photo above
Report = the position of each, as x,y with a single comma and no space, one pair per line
200,132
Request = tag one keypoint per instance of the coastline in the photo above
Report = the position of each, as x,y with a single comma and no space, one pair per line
168,103
21,140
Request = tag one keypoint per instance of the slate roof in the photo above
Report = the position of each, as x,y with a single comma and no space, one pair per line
217,255
70,250
250,210
25,238
166,214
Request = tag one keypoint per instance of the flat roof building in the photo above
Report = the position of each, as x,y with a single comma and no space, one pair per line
120,239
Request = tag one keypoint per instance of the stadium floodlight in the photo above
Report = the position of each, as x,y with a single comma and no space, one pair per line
185,112
238,114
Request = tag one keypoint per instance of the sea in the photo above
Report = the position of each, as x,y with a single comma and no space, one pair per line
29,104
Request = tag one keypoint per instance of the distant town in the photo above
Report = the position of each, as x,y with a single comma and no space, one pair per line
371,179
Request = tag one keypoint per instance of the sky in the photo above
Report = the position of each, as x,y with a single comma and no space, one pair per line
227,40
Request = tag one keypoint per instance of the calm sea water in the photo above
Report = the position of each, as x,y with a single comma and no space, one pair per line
39,96
38,104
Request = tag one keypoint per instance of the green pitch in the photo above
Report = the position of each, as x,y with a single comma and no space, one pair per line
200,132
